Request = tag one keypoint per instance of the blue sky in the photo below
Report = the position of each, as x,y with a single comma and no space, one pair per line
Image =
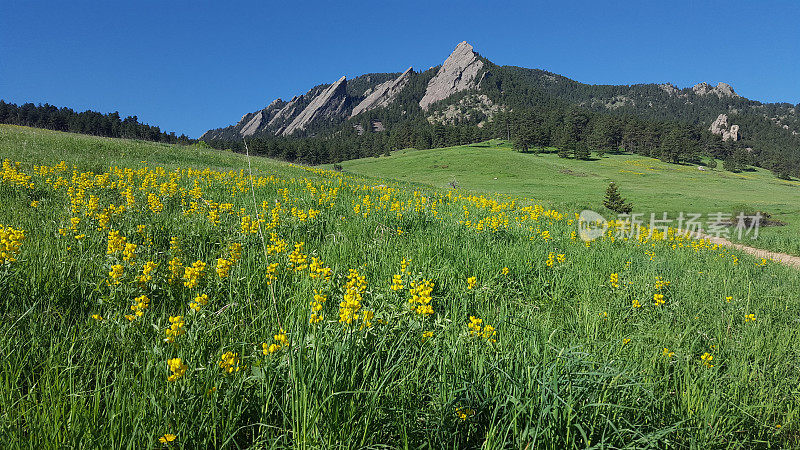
191,66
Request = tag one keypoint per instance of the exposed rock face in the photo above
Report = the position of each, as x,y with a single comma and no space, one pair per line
458,73
331,102
720,127
252,125
375,125
701,88
286,110
668,88
722,90
274,103
383,94
619,101
466,108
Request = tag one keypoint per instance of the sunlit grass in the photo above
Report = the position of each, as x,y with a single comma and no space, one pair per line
341,311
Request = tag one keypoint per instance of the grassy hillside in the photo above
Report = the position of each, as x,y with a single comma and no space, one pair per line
38,146
653,186
157,296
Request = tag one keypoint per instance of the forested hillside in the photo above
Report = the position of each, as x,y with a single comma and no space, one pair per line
87,122
474,99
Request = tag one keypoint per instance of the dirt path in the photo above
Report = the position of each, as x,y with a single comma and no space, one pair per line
783,258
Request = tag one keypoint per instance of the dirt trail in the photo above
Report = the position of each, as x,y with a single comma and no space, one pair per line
783,258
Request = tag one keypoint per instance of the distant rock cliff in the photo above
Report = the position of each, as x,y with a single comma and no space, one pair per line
383,94
720,127
722,90
458,73
330,103
468,89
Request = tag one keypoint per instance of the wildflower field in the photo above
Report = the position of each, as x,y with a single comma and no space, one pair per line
163,297
653,186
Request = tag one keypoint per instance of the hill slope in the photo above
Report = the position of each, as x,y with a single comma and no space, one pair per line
652,185
160,302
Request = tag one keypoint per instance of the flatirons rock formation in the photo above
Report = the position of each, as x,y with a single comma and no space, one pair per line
252,125
383,94
458,73
330,103
470,90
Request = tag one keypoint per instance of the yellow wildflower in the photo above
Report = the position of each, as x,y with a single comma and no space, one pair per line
199,301
10,243
271,269
115,274
223,267
281,341
229,362
397,282
177,367
192,275
176,328
421,297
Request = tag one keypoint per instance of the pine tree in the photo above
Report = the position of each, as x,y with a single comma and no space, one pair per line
615,202
581,151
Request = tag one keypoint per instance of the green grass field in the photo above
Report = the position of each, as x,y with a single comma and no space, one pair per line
653,186
161,297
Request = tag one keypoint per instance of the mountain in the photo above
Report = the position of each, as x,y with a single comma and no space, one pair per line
468,90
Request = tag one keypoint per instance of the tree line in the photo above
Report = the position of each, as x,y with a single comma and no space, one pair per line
88,122
569,131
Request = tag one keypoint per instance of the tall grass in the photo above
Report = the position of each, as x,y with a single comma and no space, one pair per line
575,363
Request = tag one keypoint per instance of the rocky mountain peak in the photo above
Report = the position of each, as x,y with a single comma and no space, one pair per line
459,72
384,93
329,103
725,90
251,126
721,90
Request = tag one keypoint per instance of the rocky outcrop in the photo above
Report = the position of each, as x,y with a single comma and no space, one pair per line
725,90
619,101
668,88
329,103
252,125
720,127
458,73
375,125
469,107
286,111
722,90
383,94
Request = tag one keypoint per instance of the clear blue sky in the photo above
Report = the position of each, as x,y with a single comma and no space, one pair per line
191,66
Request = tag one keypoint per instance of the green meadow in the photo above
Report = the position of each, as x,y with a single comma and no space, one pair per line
157,296
650,184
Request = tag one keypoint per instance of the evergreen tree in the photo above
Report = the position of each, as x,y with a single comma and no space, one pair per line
615,202
581,151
